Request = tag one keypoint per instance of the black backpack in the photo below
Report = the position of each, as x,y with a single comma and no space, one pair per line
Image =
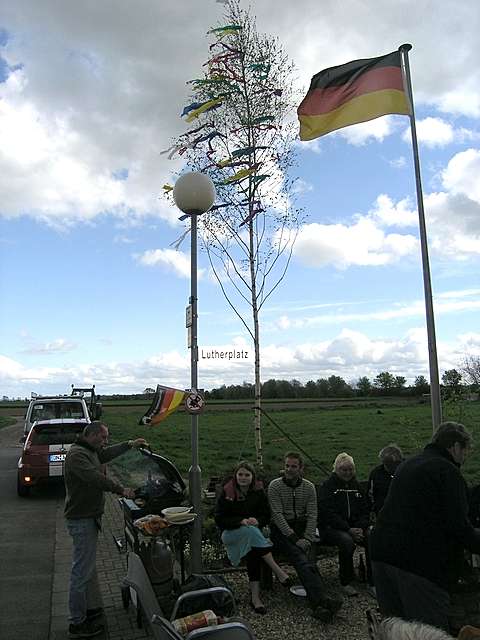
221,603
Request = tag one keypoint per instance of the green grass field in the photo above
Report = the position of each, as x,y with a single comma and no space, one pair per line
6,421
226,438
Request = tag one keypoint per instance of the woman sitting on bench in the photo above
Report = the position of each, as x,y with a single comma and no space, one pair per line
343,519
241,511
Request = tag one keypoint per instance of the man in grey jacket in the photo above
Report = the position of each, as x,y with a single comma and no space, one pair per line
85,483
293,505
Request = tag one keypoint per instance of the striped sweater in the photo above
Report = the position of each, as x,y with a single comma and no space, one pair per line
292,504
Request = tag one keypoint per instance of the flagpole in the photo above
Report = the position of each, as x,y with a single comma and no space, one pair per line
435,397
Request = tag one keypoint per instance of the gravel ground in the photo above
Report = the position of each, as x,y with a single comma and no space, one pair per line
286,612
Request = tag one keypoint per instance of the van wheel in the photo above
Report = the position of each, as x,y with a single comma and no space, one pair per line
22,490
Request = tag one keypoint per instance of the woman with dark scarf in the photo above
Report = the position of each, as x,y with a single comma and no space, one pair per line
241,512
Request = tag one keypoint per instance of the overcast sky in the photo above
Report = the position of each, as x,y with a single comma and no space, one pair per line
92,292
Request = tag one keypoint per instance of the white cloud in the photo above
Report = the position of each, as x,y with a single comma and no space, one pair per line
432,132
60,345
301,186
362,244
97,93
398,163
172,260
364,132
388,213
461,174
452,302
350,354
436,132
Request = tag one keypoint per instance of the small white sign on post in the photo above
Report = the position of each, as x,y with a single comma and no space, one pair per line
189,337
188,316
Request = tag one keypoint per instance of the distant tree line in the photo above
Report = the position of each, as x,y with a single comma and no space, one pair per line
384,384
456,383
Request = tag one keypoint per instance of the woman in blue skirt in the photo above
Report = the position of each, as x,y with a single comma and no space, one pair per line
241,512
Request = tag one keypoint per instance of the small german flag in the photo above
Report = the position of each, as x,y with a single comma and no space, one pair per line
165,401
354,92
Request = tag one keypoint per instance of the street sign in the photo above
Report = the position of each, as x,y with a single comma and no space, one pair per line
194,402
188,316
189,337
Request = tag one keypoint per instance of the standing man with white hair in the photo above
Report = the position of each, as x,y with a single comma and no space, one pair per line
420,535
85,483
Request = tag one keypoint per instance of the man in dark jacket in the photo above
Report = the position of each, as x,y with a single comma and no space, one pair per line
418,541
343,519
381,476
85,484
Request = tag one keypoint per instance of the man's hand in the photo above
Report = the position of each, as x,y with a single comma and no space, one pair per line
249,521
128,493
303,544
139,442
357,534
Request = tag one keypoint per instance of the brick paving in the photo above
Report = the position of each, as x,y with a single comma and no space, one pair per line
120,624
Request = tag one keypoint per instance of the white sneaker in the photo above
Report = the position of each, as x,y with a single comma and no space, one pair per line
349,591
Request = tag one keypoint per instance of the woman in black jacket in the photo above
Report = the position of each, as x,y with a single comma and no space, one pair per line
343,519
241,511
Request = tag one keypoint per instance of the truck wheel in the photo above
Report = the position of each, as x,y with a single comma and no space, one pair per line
22,490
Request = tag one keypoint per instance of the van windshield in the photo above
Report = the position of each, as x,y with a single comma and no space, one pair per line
49,410
55,434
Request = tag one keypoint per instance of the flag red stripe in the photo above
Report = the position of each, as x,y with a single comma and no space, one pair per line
319,101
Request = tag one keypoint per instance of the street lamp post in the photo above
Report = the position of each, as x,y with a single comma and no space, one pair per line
194,194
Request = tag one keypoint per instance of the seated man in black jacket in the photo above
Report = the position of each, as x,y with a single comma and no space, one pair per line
381,476
343,519
418,540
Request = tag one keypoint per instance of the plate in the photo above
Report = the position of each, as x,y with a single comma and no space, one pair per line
298,590
187,520
172,510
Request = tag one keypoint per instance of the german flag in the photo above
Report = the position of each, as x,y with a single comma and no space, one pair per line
354,92
165,401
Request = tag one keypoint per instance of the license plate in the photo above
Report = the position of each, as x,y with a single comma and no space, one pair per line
56,457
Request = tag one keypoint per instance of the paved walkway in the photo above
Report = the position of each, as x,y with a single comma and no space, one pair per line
120,624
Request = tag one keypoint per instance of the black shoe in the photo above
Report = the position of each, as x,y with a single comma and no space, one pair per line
94,613
322,614
262,610
332,603
85,629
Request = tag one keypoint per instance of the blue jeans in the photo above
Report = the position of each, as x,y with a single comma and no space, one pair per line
84,589
306,569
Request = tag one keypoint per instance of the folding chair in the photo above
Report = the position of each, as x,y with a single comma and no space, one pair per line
163,630
137,580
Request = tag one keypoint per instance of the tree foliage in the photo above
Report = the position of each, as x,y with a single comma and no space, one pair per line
242,136
471,370
421,385
385,381
452,379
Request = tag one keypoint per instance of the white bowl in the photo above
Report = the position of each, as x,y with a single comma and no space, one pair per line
298,590
172,510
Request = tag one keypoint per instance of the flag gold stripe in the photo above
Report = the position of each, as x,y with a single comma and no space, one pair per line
360,109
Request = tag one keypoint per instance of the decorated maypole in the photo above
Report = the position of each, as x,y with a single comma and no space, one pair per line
241,135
